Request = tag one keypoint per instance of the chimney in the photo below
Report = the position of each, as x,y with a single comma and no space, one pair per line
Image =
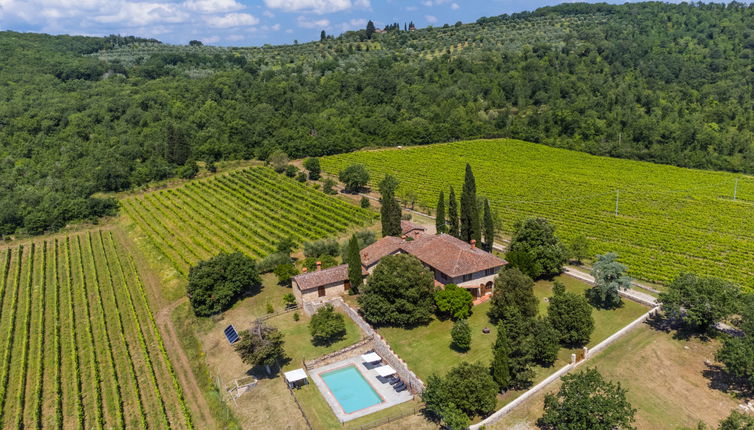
403,237
416,234
473,243
304,270
319,266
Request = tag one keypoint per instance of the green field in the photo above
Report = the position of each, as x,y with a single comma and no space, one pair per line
433,340
80,346
669,219
246,210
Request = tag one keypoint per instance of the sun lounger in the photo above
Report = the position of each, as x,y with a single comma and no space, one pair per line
400,387
403,388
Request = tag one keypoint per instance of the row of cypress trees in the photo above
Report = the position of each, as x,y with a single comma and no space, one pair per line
467,225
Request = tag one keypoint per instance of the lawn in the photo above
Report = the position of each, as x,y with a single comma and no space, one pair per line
665,378
427,350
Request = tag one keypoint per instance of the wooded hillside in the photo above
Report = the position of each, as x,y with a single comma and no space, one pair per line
667,83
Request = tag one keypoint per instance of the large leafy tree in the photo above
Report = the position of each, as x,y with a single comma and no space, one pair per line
261,345
470,226
587,401
354,177
454,301
215,284
327,326
700,302
513,289
390,212
468,388
534,248
399,292
571,316
609,278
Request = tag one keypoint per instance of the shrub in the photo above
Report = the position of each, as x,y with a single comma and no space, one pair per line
327,187
327,326
467,388
285,245
301,177
454,301
188,171
312,165
364,238
215,284
365,203
270,262
270,309
291,170
278,159
321,247
327,261
461,335
289,300
296,316
285,272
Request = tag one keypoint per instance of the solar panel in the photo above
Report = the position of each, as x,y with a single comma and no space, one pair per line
231,334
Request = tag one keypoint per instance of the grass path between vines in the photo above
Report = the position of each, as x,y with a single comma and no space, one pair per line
193,393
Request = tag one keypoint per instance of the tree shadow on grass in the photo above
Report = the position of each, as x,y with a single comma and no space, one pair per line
260,372
675,327
723,381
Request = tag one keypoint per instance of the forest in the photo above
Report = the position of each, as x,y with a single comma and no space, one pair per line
81,117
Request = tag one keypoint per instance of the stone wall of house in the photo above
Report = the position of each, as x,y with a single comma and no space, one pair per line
335,289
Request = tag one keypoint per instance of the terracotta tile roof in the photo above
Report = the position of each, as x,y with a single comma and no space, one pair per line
309,280
451,256
408,226
443,252
385,246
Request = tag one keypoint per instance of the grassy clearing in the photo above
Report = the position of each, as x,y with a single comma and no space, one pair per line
433,340
577,192
665,378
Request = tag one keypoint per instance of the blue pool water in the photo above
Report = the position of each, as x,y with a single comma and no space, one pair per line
350,388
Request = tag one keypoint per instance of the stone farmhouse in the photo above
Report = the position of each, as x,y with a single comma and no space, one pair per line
450,260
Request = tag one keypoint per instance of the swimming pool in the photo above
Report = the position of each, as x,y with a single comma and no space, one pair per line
350,389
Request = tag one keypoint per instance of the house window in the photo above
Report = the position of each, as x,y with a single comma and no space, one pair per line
466,278
443,276
489,272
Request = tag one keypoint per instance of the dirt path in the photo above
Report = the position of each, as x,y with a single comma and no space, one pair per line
191,390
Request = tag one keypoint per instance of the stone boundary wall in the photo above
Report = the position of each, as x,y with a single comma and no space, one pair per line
500,413
357,348
380,346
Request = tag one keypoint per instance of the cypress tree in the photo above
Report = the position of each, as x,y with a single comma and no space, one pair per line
370,29
354,264
489,228
500,368
440,219
470,228
390,213
453,214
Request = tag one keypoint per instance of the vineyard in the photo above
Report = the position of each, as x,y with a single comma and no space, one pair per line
247,210
80,346
669,219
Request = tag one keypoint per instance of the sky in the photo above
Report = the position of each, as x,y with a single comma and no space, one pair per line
240,22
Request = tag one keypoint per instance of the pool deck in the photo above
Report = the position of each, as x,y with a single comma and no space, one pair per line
385,391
